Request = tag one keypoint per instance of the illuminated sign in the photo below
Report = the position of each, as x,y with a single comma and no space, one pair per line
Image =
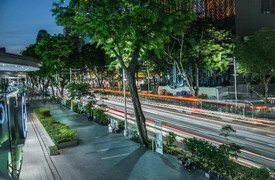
2,114
24,117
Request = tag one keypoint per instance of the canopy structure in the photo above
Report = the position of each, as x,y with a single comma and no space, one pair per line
12,65
13,112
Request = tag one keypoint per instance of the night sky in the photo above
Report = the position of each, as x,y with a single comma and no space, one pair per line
20,21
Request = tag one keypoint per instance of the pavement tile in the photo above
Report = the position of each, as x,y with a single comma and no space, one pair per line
98,155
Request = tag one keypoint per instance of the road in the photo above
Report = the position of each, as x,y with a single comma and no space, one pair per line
257,140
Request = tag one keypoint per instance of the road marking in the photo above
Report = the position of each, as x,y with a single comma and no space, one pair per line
110,157
102,150
254,140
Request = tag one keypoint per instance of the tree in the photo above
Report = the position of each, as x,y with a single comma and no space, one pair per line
41,78
155,65
125,29
94,60
212,157
256,58
55,52
205,48
78,90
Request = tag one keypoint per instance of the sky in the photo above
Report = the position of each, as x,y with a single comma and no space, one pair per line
21,20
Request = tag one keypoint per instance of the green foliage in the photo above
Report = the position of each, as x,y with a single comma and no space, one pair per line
121,125
78,90
255,58
226,129
256,173
170,139
256,55
172,150
68,103
53,148
4,83
211,157
88,108
75,106
125,30
134,136
57,131
45,112
56,50
101,117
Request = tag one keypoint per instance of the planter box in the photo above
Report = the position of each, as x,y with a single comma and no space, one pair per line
54,152
66,144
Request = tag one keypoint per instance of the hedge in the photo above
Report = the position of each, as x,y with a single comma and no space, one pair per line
57,131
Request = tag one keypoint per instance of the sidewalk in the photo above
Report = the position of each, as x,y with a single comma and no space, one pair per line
98,155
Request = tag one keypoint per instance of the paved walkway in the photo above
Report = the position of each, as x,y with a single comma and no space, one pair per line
98,155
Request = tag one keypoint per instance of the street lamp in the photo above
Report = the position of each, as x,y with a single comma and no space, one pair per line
125,107
235,80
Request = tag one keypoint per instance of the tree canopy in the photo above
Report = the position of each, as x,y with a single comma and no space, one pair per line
255,57
125,29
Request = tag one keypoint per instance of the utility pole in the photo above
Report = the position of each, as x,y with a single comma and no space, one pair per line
235,80
125,107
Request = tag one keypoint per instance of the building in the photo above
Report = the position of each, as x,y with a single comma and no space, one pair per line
242,17
2,49
67,31
222,12
40,34
252,15
13,111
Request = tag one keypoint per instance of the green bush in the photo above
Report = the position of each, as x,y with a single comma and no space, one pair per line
88,108
53,148
43,111
170,139
75,106
57,131
257,173
68,103
48,121
172,150
63,134
101,117
135,136
121,125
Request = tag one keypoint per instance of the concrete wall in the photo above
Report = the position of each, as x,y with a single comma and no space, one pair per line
211,92
250,19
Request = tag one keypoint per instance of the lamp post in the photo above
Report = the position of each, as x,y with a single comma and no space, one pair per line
252,108
235,80
71,72
125,107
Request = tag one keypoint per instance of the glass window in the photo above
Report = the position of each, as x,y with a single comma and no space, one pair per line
268,6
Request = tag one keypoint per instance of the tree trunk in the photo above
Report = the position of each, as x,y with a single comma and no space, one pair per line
266,93
140,119
197,89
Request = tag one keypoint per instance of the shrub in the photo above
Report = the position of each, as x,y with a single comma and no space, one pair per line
48,121
135,136
170,139
88,108
53,148
44,112
257,173
57,131
121,125
100,117
75,106
68,103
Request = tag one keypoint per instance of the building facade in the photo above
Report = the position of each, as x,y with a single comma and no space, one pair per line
40,34
252,15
